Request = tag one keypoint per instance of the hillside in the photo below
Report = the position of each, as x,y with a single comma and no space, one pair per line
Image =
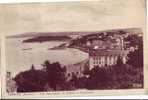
36,34
47,38
108,37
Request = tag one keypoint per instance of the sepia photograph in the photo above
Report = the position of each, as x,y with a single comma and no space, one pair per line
56,61
73,46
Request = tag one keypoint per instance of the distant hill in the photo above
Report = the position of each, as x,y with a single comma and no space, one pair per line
47,38
36,34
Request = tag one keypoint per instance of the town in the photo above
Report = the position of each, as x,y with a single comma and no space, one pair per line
112,55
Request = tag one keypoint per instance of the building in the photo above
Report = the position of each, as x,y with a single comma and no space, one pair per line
110,42
101,52
106,57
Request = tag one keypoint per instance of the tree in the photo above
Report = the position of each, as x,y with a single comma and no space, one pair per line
74,80
32,67
134,40
51,76
55,74
99,78
136,57
119,61
31,80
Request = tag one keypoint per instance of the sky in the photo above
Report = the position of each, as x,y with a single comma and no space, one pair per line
71,16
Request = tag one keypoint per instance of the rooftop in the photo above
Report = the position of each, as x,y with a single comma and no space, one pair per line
108,52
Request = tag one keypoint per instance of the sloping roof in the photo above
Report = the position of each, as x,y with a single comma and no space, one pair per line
108,52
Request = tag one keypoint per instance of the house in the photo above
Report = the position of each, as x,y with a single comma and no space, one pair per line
111,42
106,57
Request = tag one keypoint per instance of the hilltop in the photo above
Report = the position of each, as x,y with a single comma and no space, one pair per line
36,34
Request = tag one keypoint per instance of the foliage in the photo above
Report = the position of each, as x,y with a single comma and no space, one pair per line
134,40
53,76
119,76
31,80
99,78
136,57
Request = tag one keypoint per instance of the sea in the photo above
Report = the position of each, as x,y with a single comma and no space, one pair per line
21,56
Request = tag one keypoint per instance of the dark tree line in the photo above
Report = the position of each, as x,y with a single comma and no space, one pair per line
52,76
136,57
119,76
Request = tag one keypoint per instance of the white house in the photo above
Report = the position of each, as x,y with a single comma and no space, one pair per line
106,57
